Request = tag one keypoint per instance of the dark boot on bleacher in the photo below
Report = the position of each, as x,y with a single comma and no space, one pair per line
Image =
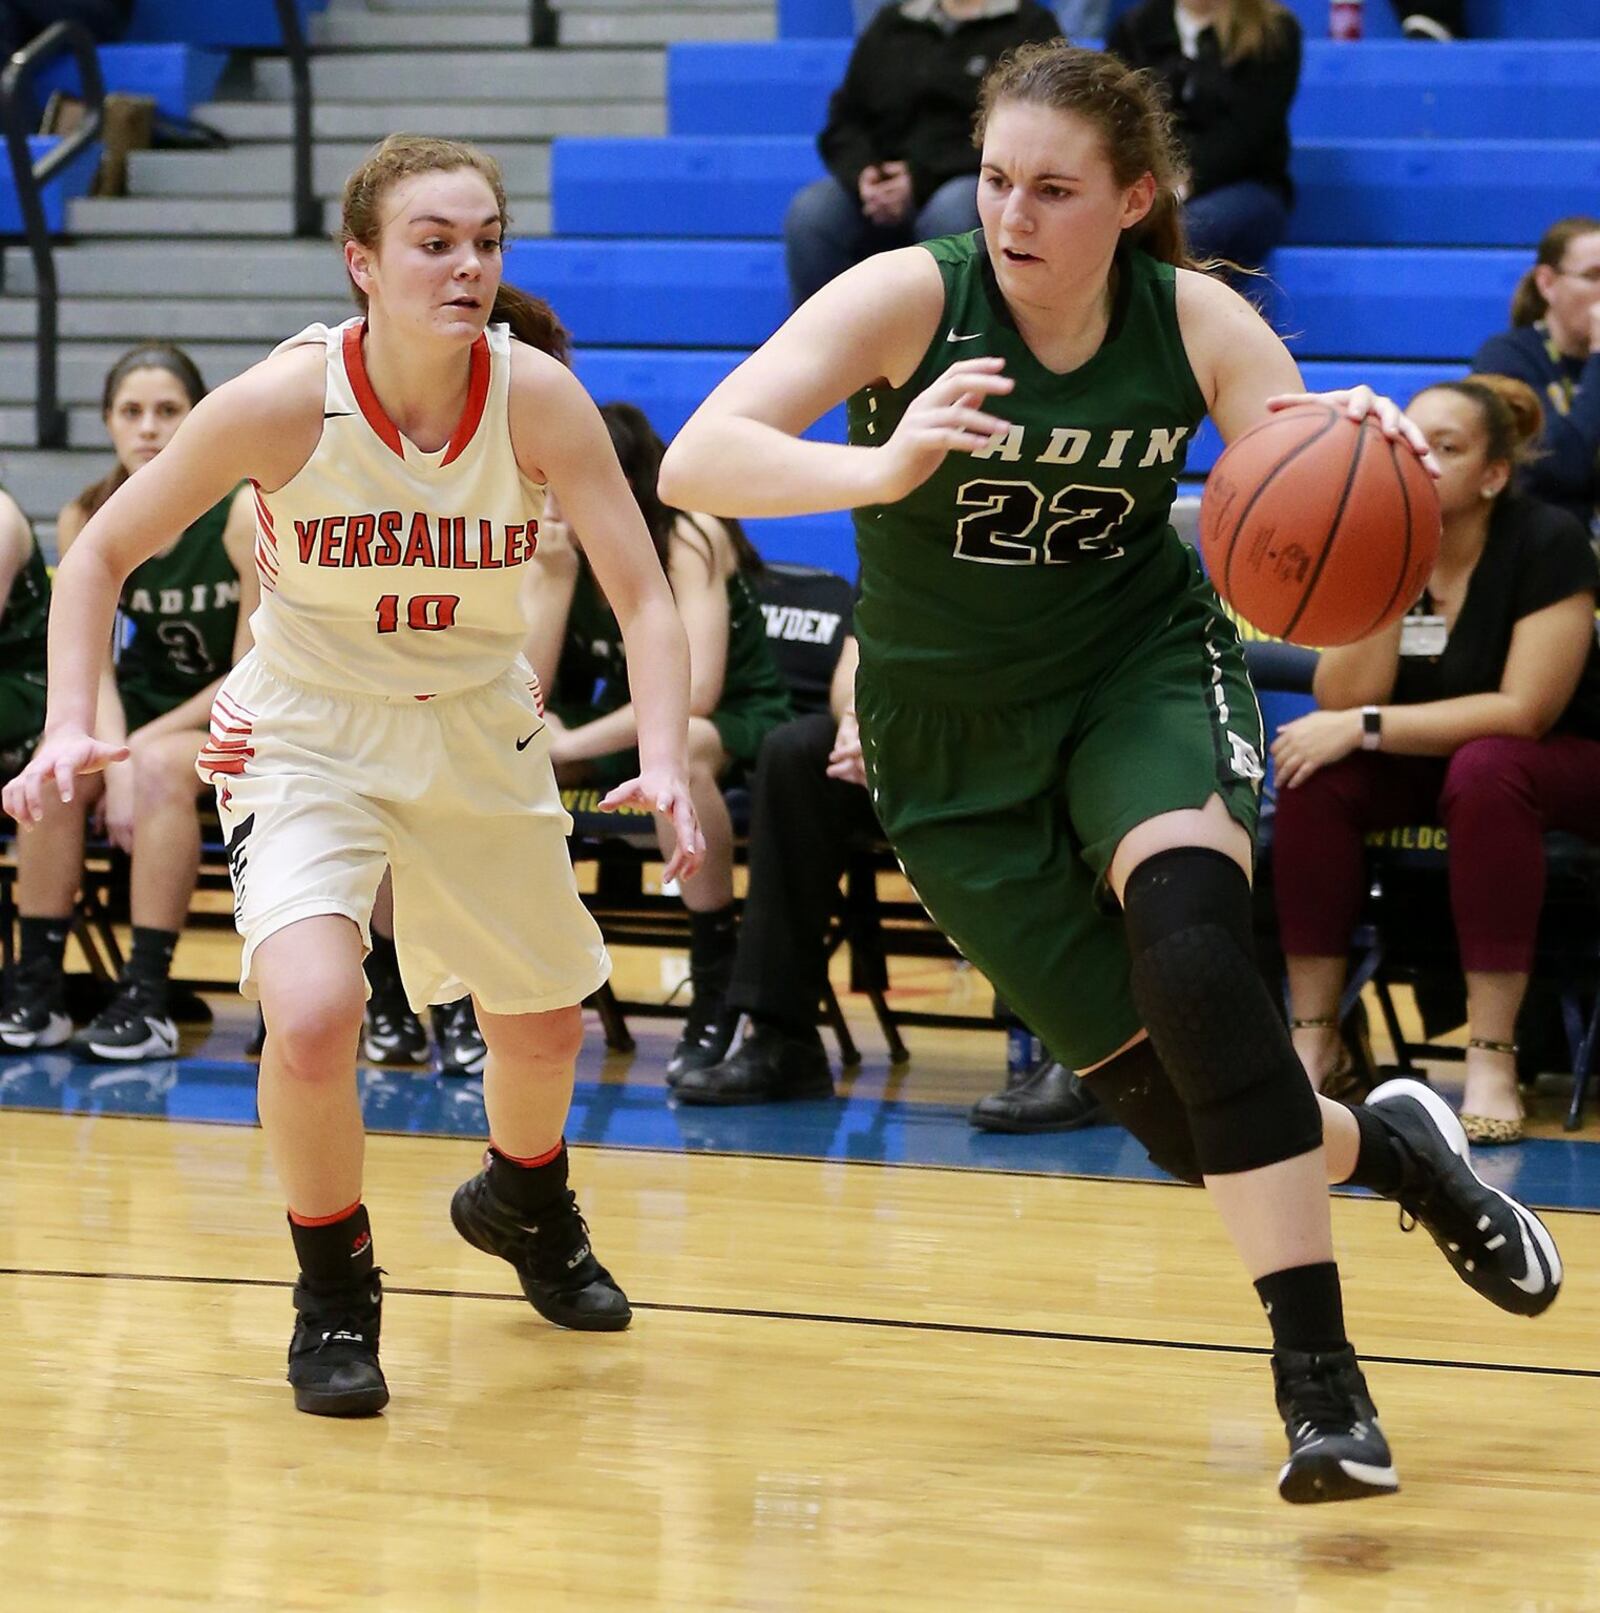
1049,1097
710,1025
773,1064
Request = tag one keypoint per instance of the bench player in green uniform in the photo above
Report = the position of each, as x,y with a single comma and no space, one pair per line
1059,734
185,621
24,614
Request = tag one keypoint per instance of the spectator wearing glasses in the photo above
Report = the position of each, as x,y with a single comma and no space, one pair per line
1554,346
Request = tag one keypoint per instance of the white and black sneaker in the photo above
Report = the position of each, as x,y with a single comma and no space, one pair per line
1421,26
33,1006
461,1046
1337,1452
1496,1246
392,1034
134,1025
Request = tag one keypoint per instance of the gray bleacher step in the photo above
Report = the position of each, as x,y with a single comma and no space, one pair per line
85,429
485,121
346,29
522,77
199,269
187,217
41,480
119,322
83,365
663,25
264,170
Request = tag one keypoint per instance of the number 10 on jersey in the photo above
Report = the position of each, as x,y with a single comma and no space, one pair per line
424,613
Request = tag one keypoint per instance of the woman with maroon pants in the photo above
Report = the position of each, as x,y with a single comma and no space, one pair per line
1481,710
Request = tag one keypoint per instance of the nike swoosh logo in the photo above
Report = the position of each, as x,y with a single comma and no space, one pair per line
523,744
338,414
1534,1282
950,336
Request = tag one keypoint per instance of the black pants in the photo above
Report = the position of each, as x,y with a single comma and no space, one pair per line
802,825
21,20
1450,14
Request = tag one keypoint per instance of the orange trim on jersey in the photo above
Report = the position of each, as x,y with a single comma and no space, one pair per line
355,366
477,397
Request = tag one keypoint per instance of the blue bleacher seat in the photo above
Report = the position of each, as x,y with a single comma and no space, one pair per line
1346,303
73,180
233,23
178,77
1352,192
1384,90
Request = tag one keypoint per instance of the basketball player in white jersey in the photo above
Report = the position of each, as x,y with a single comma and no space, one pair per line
386,717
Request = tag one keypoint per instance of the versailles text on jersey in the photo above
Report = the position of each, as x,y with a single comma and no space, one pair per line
390,539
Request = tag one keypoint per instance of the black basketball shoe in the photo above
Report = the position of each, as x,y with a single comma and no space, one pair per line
550,1253
773,1064
333,1355
461,1045
1496,1246
707,1034
33,1010
1337,1452
134,1025
392,1034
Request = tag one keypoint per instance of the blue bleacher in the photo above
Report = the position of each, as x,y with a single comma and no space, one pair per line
73,180
177,77
236,24
1390,91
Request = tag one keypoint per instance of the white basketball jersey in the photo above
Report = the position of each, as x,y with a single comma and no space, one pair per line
386,570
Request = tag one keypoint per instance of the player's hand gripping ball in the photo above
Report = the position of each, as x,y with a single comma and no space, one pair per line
1317,529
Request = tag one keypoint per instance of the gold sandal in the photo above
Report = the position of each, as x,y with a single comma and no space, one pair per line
1487,1131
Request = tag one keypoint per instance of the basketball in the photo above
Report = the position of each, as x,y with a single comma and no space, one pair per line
1318,530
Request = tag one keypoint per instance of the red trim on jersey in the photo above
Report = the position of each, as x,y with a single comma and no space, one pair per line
366,399
477,397
355,366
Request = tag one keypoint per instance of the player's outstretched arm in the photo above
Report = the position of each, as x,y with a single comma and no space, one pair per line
265,424
741,453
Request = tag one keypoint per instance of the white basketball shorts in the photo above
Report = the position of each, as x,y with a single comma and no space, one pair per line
318,790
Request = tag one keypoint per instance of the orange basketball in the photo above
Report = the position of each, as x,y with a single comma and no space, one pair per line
1319,530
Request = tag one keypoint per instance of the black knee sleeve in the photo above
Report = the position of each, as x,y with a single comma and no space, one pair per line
1139,1095
1210,1016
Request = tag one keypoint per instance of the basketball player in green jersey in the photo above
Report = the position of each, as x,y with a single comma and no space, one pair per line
1058,731
184,621
24,614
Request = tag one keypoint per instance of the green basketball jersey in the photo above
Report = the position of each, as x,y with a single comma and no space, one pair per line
181,609
1024,569
26,617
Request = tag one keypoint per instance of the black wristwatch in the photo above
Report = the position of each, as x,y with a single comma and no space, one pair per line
1371,727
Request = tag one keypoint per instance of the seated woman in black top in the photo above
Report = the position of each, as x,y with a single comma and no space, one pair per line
1231,68
1554,345
1480,709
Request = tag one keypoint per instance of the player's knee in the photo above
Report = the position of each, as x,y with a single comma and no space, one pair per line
162,775
314,1033
706,755
1210,1017
1136,1091
536,1043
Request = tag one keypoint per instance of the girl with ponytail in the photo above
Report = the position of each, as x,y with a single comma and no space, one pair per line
1487,702
1553,346
387,718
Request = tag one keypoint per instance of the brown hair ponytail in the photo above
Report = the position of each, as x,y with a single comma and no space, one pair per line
1528,306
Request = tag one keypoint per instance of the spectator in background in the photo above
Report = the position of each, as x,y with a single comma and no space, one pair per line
1230,68
186,615
1554,346
898,141
24,612
1483,707
736,695
21,20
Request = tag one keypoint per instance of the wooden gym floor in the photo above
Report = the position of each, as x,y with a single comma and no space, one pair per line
879,1362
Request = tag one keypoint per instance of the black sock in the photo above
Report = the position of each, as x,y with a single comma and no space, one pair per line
529,1188
712,938
383,966
151,958
334,1254
1379,1165
1305,1308
44,939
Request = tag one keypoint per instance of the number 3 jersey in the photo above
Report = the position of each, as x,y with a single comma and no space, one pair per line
386,570
1023,570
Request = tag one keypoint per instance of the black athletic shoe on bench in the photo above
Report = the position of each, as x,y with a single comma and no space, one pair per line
134,1025
1337,1452
392,1034
1495,1245
33,1011
550,1253
333,1355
